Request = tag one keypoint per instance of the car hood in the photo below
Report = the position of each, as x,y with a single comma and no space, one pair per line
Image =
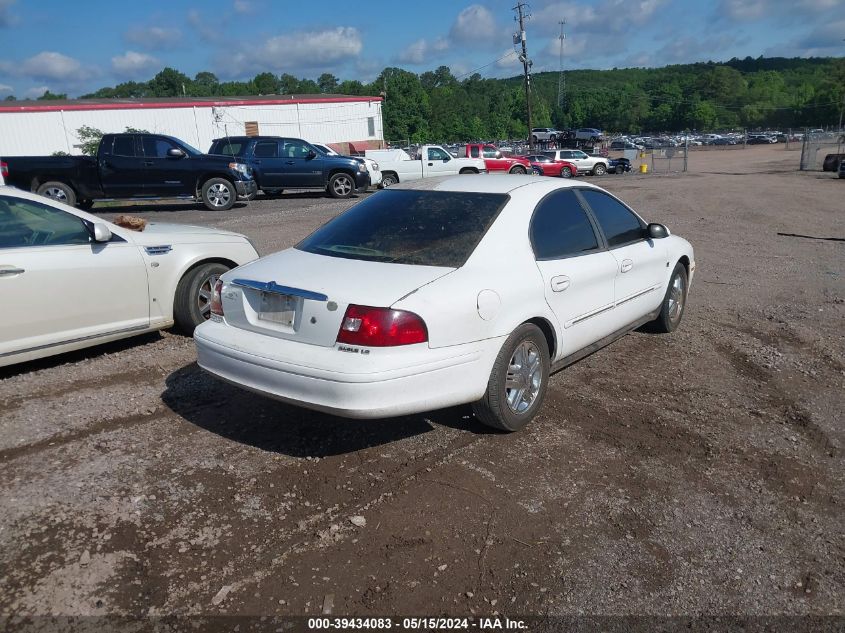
155,232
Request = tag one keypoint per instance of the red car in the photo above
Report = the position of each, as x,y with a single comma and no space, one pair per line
551,167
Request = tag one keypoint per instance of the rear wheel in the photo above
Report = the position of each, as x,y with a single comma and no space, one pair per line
192,303
518,381
388,180
218,194
469,170
519,169
566,172
600,169
341,186
58,191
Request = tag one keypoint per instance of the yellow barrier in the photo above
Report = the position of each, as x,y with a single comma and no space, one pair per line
643,168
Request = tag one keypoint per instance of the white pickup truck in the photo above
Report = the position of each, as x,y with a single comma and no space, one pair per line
432,160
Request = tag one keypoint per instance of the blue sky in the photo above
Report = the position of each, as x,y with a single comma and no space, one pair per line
79,46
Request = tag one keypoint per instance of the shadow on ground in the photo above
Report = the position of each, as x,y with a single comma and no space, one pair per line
270,425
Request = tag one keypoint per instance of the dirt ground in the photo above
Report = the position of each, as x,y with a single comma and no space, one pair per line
695,473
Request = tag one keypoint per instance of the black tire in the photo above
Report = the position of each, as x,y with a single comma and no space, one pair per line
468,170
496,409
600,169
218,194
250,196
341,185
58,191
566,172
273,193
192,303
85,205
518,169
674,302
389,179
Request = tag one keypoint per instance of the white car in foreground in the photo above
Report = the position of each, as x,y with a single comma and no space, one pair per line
70,280
468,289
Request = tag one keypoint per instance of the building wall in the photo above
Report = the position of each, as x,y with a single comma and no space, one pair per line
42,133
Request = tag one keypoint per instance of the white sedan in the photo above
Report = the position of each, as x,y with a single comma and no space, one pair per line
71,280
467,289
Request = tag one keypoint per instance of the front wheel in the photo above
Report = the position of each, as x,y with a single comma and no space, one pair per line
341,186
58,191
674,302
388,180
518,381
218,194
519,169
192,303
566,172
468,170
600,169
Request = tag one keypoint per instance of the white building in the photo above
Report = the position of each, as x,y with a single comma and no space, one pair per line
40,128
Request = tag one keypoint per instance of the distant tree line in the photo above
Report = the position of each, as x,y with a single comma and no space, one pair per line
435,105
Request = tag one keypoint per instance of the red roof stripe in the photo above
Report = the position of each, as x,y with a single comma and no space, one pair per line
174,104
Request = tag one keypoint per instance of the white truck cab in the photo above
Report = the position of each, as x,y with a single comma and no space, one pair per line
431,160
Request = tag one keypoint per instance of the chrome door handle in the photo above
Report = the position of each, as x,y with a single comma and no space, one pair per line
8,272
560,283
627,265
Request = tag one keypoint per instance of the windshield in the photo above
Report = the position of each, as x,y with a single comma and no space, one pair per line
427,228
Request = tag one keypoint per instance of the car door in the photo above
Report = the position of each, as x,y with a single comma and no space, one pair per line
166,175
641,263
578,271
493,159
66,287
302,164
438,162
268,164
121,167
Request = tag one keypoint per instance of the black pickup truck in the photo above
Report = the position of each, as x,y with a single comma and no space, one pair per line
136,167
280,163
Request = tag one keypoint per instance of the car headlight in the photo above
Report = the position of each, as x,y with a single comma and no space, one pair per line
240,168
362,166
375,166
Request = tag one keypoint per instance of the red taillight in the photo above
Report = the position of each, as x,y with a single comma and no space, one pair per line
4,169
381,327
216,300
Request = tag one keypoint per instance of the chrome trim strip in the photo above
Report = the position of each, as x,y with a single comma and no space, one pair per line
137,328
592,314
272,286
636,295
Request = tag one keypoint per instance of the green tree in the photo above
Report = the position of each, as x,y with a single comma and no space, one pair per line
327,82
49,96
169,83
267,83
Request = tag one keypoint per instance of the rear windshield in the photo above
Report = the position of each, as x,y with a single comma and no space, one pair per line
227,147
427,228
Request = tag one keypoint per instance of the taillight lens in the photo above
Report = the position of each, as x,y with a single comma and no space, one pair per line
381,327
216,300
4,169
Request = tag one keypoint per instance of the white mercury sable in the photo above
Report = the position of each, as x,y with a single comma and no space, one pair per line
468,289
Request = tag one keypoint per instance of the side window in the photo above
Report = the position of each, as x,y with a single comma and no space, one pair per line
266,149
29,223
620,226
473,152
124,146
560,227
157,147
489,152
295,149
437,154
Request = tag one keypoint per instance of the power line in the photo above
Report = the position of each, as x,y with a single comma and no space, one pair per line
495,61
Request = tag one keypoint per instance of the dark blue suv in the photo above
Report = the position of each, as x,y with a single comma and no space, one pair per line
280,163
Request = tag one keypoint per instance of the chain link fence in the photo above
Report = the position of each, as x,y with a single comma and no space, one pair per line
816,145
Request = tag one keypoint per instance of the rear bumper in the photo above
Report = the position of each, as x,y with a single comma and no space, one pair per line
350,385
246,187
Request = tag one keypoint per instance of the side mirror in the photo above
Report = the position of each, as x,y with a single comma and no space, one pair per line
102,233
657,231
446,159
175,152
498,154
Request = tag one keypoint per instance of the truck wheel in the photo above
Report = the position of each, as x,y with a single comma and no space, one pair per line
58,191
218,194
469,170
600,169
388,180
341,186
192,303
519,169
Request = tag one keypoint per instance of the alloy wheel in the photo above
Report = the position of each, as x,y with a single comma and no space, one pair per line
524,377
219,195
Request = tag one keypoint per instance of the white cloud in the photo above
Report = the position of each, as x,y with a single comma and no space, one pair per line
154,37
133,64
473,24
786,11
422,52
207,28
243,6
299,51
6,89
50,65
823,41
34,93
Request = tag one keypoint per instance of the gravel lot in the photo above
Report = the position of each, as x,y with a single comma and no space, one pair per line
695,473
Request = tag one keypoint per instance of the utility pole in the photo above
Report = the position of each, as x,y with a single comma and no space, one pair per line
561,79
526,65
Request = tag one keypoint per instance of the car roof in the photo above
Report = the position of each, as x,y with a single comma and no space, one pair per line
491,183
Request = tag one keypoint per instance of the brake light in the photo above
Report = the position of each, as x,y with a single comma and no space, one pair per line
4,169
217,300
381,327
